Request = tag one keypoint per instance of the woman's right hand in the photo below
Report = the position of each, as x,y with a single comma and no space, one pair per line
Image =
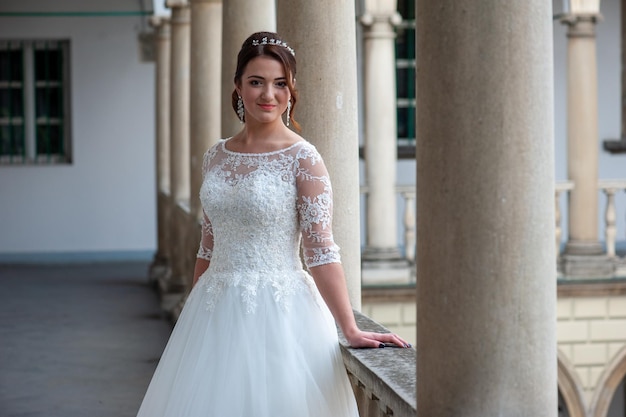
361,339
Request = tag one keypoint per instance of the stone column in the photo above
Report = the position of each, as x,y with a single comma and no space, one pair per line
382,260
160,266
241,18
486,291
179,138
622,141
205,84
582,136
323,36
205,107
584,254
179,93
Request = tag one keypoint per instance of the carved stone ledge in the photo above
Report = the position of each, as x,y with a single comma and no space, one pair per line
385,378
587,266
591,288
159,270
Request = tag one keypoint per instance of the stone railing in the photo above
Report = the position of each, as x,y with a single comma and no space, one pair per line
559,188
407,193
610,188
383,379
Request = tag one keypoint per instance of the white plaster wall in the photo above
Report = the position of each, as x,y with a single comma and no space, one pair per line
104,201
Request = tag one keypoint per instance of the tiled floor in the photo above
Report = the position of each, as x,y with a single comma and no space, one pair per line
77,340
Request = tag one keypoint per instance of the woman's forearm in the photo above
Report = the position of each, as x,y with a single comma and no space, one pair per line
331,282
201,266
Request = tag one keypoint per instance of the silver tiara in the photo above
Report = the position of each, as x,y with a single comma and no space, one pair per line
265,41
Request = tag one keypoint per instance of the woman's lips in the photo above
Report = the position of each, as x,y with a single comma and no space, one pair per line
267,106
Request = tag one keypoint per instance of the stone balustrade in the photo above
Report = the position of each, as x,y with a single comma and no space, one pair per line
610,188
408,196
407,193
559,189
383,379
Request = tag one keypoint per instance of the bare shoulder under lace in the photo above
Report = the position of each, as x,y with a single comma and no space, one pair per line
258,209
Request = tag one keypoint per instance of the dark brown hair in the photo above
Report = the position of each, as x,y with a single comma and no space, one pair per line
280,53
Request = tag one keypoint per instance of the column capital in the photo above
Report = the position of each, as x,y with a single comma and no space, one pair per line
171,4
181,14
581,25
368,19
158,21
380,25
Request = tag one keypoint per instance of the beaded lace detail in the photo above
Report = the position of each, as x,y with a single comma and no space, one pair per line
258,209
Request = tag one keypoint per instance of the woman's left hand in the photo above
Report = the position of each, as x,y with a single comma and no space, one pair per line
361,339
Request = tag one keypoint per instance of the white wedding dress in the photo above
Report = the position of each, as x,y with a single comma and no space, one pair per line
255,338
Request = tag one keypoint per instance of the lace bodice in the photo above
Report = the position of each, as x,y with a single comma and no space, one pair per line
258,208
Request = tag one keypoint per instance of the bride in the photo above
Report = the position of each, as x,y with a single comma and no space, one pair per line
257,336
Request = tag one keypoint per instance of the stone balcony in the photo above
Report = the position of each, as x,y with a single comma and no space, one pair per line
610,264
383,379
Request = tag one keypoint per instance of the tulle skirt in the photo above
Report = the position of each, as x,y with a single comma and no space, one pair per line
225,361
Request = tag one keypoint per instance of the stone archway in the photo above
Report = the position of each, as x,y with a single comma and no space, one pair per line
608,382
570,387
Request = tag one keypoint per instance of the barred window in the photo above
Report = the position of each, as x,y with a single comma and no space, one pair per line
34,102
405,73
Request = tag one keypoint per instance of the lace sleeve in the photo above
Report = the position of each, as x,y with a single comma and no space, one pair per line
315,208
205,249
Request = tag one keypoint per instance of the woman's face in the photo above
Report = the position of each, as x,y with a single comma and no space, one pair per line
264,90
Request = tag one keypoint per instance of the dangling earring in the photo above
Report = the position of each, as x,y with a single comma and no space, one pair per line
288,111
240,112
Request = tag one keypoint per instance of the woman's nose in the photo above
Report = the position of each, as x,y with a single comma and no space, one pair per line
267,91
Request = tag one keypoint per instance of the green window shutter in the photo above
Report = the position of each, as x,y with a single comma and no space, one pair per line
405,73
34,92
12,146
49,100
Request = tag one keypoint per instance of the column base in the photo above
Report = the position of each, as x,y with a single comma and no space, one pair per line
177,308
378,254
384,267
158,269
171,292
574,247
168,285
587,266
171,303
620,268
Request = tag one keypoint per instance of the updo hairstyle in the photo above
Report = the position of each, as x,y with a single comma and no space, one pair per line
278,52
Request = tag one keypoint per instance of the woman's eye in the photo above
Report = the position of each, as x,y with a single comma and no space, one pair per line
281,84
255,82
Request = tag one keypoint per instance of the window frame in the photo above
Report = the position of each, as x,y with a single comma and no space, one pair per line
33,88
406,100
